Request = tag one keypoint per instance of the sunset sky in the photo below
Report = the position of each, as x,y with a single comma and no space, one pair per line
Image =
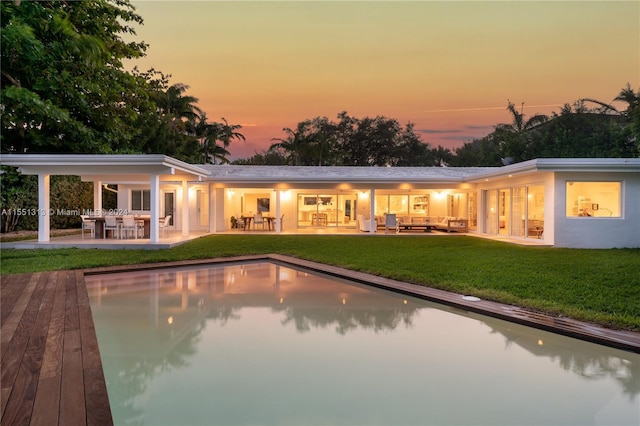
449,67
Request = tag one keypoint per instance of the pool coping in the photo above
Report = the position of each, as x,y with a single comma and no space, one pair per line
619,339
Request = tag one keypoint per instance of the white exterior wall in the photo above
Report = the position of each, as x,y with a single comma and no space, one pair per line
124,200
537,179
599,232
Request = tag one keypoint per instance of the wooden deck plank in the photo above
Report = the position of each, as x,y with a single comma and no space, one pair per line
71,303
20,405
11,322
12,287
16,348
4,397
72,406
52,360
98,410
45,408
90,350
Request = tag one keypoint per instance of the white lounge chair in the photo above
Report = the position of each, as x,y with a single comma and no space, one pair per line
365,224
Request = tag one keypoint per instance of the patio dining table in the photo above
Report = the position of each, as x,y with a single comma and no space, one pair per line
247,221
100,225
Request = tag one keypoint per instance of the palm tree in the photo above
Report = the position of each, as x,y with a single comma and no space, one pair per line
626,95
218,153
177,108
209,133
296,144
226,132
519,124
631,98
514,141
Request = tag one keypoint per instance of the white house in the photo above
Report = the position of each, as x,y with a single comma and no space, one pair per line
581,203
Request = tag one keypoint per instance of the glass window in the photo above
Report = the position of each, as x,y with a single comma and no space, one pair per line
593,199
141,200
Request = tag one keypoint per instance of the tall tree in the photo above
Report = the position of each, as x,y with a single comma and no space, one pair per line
63,87
514,137
296,143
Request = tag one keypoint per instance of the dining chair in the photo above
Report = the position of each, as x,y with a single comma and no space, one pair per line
88,224
129,223
258,220
164,224
111,224
281,222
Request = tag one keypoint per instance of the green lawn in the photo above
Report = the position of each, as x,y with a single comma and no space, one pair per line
601,286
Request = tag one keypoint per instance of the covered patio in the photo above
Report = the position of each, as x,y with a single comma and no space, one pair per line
149,172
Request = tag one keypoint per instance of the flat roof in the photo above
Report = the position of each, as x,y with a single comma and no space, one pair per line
99,164
336,174
144,164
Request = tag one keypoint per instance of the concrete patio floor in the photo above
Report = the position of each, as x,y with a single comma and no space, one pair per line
175,238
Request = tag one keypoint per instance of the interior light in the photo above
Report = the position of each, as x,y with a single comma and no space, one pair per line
281,299
344,301
540,342
170,320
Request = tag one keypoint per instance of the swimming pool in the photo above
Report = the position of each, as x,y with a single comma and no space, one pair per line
265,343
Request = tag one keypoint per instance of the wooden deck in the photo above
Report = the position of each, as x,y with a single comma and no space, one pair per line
51,368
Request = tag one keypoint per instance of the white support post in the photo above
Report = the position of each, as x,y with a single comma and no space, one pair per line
278,224
154,226
44,216
97,196
212,209
372,210
185,209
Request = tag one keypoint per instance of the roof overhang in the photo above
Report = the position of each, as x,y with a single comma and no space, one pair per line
100,166
597,165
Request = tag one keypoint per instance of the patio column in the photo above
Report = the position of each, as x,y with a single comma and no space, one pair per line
218,209
278,224
212,207
372,210
97,196
185,209
44,216
154,225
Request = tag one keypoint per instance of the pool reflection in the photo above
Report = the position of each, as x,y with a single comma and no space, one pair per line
150,323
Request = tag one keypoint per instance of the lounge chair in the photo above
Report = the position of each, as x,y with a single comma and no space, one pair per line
365,224
450,223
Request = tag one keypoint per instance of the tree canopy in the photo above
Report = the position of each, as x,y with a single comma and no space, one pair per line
351,141
65,90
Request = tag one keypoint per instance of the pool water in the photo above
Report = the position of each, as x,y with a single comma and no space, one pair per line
267,344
